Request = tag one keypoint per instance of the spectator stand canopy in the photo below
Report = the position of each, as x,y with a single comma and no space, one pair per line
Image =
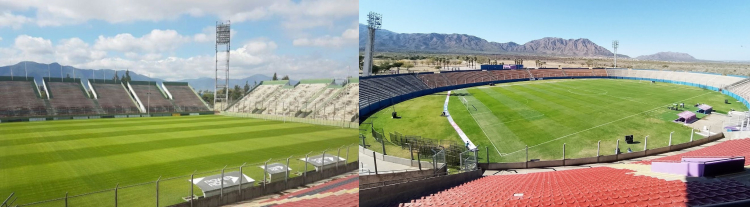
276,171
705,109
211,185
686,117
330,161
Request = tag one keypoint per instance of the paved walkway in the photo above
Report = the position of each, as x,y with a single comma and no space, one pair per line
366,164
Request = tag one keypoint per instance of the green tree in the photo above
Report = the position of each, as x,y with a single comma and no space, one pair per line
286,77
126,77
67,75
397,65
116,77
247,88
235,93
408,65
207,96
274,77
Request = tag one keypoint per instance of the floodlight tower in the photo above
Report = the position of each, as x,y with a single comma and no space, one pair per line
222,40
615,44
373,23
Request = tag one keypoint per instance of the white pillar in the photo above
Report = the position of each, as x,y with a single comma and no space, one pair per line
645,143
691,134
617,147
670,138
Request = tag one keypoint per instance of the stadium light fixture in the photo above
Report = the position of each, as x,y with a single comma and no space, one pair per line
374,22
223,39
615,45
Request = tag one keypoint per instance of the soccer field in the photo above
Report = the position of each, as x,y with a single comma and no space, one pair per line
545,114
44,160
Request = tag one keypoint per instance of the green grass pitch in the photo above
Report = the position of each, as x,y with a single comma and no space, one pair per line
44,160
546,114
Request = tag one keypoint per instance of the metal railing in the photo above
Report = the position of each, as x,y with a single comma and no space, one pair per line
335,123
180,189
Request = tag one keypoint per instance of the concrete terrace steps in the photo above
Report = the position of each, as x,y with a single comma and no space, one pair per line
309,197
598,186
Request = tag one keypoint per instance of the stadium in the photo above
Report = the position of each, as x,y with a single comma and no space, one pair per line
140,143
515,136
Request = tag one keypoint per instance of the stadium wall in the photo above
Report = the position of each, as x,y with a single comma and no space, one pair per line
103,116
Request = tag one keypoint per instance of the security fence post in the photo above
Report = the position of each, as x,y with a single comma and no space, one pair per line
382,143
347,155
598,147
116,186
670,138
375,163
305,173
419,162
239,189
563,154
323,165
286,178
338,155
645,143
66,199
617,150
192,195
411,152
221,190
265,173
527,156
157,191
691,134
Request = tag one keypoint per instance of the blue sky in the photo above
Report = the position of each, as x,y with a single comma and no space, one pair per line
173,39
711,30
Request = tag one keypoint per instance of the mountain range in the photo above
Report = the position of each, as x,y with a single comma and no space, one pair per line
39,70
388,41
669,56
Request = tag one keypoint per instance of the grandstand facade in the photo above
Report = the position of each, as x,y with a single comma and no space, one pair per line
25,99
382,91
313,99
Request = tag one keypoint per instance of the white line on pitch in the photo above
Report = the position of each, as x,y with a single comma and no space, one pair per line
482,128
594,127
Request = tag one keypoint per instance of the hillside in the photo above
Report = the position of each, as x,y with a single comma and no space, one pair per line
669,56
388,41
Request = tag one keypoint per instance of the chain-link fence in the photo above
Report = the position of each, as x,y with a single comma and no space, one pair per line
329,112
335,123
89,111
468,161
301,169
439,161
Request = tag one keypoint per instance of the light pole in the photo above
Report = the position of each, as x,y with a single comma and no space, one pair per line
615,44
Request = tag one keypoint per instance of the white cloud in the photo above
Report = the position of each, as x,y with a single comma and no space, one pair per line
253,57
33,45
74,50
349,36
155,41
295,14
1,38
8,19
